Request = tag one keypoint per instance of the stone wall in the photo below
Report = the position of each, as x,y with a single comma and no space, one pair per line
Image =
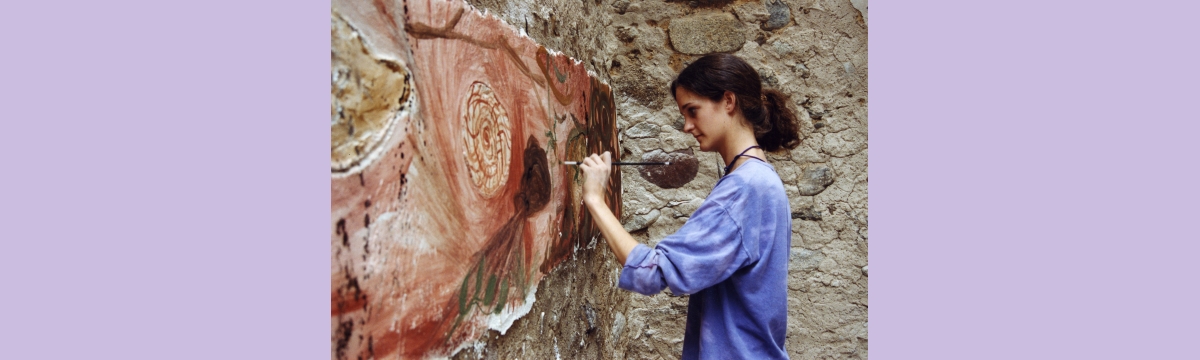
813,50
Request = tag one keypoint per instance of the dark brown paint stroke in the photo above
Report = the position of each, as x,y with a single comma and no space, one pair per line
599,136
534,191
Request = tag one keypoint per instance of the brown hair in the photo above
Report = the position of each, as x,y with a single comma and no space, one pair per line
775,125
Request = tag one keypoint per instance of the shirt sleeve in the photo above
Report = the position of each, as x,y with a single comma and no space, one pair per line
705,251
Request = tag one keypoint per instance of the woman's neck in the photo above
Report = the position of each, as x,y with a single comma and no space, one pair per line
738,144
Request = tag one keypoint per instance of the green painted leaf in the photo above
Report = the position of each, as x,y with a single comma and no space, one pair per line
521,274
491,290
503,296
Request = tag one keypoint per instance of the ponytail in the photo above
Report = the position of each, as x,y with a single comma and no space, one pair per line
779,126
775,124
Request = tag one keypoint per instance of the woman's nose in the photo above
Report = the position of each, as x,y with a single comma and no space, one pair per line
688,126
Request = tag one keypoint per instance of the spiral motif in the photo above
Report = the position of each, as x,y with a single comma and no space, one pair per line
488,140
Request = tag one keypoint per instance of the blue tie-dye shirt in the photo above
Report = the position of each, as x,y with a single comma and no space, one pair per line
732,257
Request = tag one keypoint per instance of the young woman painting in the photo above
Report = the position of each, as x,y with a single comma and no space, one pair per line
731,255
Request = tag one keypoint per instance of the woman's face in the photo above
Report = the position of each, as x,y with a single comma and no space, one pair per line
706,120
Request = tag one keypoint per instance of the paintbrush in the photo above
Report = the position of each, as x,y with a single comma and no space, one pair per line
622,163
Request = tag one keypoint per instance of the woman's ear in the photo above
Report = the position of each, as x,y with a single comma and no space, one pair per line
729,102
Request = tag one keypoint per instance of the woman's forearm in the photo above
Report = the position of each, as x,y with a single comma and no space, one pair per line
619,240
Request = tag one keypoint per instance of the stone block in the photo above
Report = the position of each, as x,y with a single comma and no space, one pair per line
808,212
805,260
780,14
642,130
706,33
640,222
815,180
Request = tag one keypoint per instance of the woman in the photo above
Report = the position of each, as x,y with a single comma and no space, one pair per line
732,253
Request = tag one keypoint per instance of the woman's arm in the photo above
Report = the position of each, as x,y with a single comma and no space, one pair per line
596,169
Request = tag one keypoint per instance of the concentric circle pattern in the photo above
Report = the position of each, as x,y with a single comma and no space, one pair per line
487,139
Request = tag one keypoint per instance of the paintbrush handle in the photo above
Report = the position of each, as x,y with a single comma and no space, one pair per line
622,163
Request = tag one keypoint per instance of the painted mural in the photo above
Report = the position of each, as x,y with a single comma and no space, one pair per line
449,200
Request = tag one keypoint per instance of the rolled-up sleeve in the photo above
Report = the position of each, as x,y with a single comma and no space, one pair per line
706,250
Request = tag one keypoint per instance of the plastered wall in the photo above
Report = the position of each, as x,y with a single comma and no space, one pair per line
450,201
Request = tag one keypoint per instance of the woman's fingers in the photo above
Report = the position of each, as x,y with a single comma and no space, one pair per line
593,161
596,161
594,177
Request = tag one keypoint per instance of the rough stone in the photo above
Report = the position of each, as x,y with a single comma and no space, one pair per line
751,12
780,15
589,315
640,222
706,33
625,34
802,70
805,260
808,212
864,271
815,180
618,326
642,130
640,84
781,48
682,169
621,6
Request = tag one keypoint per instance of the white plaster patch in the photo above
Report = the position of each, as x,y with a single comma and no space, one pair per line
502,321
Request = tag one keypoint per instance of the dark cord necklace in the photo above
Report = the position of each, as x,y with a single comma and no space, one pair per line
735,159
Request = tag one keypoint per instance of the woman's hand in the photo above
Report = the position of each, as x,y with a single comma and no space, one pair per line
596,169
595,181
